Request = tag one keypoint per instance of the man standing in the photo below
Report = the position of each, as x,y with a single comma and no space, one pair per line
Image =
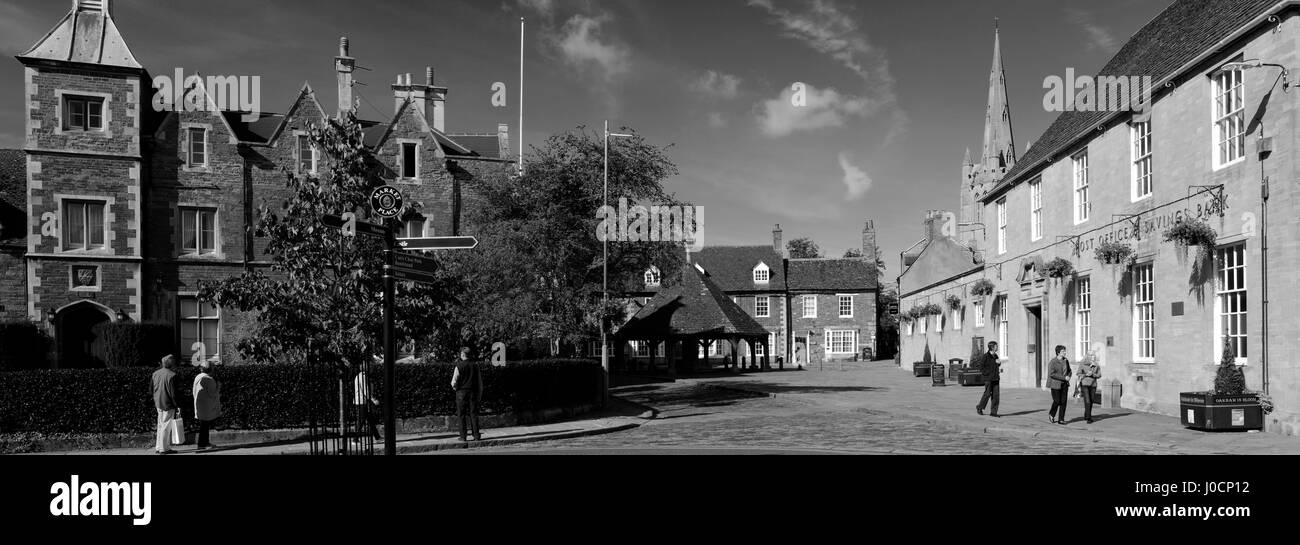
468,383
991,370
165,386
207,402
1058,381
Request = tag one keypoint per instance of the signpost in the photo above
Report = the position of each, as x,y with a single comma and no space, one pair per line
386,202
438,243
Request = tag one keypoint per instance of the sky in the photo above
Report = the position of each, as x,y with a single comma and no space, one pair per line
895,91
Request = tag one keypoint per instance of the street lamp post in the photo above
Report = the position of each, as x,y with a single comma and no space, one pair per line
604,268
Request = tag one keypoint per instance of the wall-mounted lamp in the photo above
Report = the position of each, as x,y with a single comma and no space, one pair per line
1256,63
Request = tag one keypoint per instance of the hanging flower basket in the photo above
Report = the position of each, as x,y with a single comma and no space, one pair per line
1114,253
982,288
931,309
915,313
953,301
1194,232
1057,268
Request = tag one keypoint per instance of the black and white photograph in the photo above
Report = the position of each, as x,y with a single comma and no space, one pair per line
245,241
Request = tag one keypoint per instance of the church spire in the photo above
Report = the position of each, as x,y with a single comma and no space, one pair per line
966,161
999,145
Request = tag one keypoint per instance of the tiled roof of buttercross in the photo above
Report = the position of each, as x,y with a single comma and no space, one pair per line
695,306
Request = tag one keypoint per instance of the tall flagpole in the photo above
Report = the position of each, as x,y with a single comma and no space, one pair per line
521,96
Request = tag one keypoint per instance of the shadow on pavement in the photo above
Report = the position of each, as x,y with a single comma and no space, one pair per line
682,416
793,389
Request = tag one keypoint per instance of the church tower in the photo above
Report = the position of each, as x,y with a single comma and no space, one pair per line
999,153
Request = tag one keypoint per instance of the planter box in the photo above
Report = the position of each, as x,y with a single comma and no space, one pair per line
969,377
921,369
1210,412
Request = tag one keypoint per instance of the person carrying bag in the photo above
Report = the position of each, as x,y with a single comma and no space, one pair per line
1089,373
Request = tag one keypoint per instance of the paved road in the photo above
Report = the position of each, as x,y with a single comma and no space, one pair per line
696,418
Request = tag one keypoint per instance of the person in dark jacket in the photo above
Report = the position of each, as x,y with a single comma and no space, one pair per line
990,365
1089,372
1058,381
166,384
468,383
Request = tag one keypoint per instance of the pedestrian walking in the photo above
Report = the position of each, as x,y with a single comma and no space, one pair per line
1089,373
165,385
1058,381
991,369
366,404
468,383
207,402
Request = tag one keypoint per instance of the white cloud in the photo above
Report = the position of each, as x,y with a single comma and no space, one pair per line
717,120
583,45
717,84
545,7
824,109
1099,38
855,179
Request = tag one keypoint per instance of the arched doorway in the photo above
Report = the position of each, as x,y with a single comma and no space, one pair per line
74,325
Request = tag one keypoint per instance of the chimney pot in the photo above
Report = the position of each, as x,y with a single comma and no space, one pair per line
428,76
343,46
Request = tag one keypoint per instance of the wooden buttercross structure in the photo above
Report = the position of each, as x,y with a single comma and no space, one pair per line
386,202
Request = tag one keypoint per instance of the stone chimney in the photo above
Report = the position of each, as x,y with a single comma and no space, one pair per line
345,65
776,240
428,99
503,139
936,221
869,240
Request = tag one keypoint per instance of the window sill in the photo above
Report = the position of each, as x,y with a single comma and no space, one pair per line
200,169
1230,164
201,257
1143,198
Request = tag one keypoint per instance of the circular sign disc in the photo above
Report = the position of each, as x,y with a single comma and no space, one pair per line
386,202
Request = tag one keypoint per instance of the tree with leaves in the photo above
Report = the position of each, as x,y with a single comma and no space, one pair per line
803,248
537,273
321,299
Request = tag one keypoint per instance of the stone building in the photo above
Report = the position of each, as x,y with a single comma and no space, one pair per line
815,310
127,209
1218,146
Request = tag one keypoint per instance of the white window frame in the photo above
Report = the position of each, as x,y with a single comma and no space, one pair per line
810,306
841,299
199,319
65,201
1082,317
425,228
1143,185
1082,198
1230,285
911,327
1002,225
62,115
299,137
1144,313
979,313
653,278
839,338
184,209
1229,120
1036,209
762,306
641,349
1004,322
187,136
402,143
957,318
938,323
762,274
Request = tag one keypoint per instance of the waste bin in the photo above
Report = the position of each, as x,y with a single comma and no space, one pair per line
1111,392
954,368
936,375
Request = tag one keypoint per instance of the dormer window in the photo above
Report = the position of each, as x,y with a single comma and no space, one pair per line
652,277
762,274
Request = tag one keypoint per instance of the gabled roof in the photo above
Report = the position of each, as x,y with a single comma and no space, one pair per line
695,306
1176,37
485,145
375,134
832,275
13,196
87,34
732,267
261,131
305,93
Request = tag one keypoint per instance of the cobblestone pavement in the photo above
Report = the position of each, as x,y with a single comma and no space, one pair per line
705,416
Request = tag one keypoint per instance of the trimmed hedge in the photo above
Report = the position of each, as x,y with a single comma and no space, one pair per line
265,397
23,345
129,344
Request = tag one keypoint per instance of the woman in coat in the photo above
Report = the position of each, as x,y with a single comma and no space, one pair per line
207,403
1089,373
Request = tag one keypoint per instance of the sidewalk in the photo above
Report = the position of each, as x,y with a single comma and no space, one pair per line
883,387
618,416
